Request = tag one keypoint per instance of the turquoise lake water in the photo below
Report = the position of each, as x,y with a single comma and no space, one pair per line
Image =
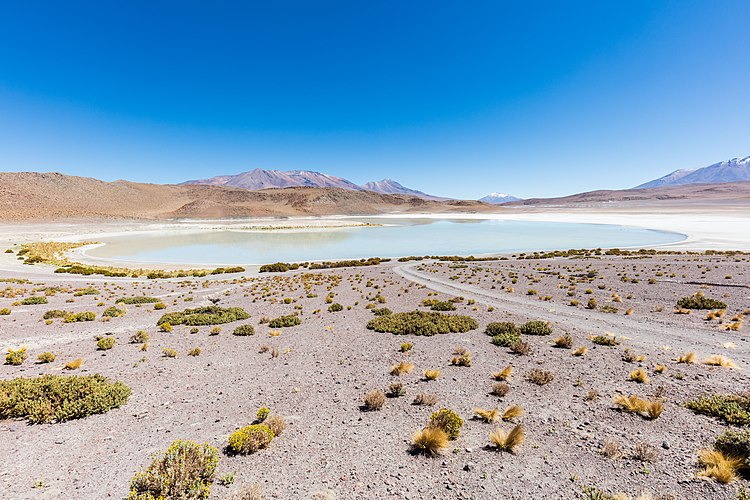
404,237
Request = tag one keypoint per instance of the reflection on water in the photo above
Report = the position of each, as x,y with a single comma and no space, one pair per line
398,238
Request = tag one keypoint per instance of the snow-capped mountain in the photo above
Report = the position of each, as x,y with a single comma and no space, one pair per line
258,179
497,198
734,170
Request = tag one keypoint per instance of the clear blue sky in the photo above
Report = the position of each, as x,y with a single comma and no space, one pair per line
454,98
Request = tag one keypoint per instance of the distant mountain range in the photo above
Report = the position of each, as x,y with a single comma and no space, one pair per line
498,198
734,170
255,180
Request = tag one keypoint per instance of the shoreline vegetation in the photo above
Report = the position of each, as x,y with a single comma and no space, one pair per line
52,253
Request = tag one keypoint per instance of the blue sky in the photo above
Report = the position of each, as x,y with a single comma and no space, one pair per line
454,98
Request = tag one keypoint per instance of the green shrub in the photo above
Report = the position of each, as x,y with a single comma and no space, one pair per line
278,267
501,327
137,300
250,439
4,311
16,357
79,317
55,313
733,409
113,312
285,321
105,343
335,307
383,311
422,323
699,301
59,397
243,330
139,337
159,306
506,339
46,357
443,306
200,316
448,421
34,300
535,327
605,340
184,471
262,414
735,443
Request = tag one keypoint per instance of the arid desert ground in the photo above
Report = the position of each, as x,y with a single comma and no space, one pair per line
606,317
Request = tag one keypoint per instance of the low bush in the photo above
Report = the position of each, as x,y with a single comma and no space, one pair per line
448,421
605,340
186,470
55,313
700,301
16,357
732,408
201,316
250,439
285,321
137,300
443,306
80,317
382,311
422,323
540,377
46,357
506,339
60,397
244,330
501,328
113,312
535,327
735,444
139,337
34,300
278,267
105,343
4,311
335,307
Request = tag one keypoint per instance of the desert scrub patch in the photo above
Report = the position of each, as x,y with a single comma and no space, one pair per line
250,439
185,470
201,316
731,408
60,397
4,311
105,343
113,312
506,339
535,327
422,323
501,328
540,377
244,330
46,357
55,313
447,420
139,337
735,444
700,301
34,300
168,353
605,340
382,311
80,317
374,400
285,321
137,300
335,307
195,351
16,357
443,306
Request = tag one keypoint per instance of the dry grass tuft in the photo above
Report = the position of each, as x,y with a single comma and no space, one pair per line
425,399
430,441
660,368
581,351
719,466
504,374
512,412
462,360
563,342
540,377
733,326
489,416
276,423
401,368
74,365
612,449
431,374
520,348
688,358
644,452
500,389
639,376
374,400
718,360
508,441
631,404
653,409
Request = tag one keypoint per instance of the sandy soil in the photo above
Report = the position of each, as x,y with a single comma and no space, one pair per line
327,364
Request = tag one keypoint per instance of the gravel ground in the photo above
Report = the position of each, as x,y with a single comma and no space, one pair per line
326,365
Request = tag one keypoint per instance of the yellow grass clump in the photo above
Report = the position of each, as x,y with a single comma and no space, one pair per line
719,466
74,365
688,358
660,368
401,368
633,404
718,360
430,441
431,374
503,374
512,412
489,416
581,351
508,440
639,376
